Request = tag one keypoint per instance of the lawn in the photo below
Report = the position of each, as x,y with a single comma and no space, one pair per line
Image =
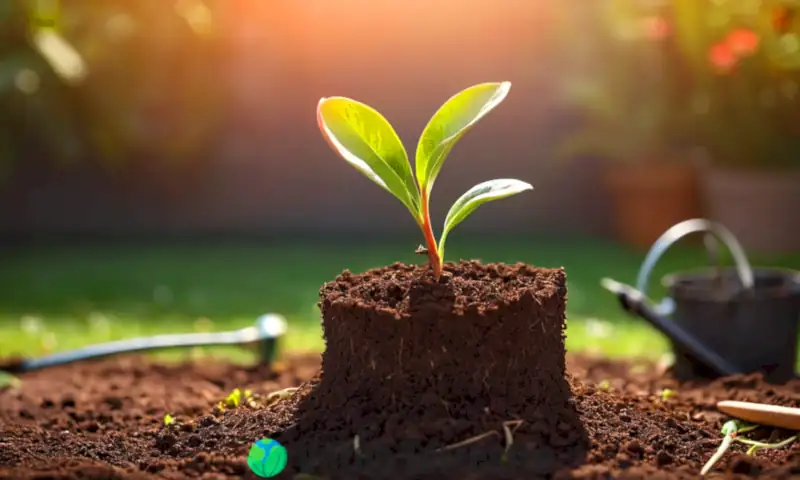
59,298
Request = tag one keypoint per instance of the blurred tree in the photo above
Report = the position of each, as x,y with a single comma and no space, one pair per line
115,80
626,85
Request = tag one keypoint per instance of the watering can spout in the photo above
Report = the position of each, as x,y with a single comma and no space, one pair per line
634,302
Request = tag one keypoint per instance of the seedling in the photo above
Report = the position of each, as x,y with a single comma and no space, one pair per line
236,398
666,393
168,419
368,142
731,432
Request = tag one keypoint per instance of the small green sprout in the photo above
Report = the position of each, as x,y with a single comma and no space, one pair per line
666,393
604,385
731,431
236,398
9,381
169,419
368,142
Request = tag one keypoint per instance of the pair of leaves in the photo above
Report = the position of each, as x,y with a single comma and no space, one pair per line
367,141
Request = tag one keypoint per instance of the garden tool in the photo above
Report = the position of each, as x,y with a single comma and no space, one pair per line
715,318
635,301
762,414
263,336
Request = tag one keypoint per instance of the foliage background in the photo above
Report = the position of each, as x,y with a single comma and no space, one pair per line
147,91
169,81
717,74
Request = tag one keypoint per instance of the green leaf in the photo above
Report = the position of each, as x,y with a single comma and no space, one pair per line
366,140
477,196
731,426
449,123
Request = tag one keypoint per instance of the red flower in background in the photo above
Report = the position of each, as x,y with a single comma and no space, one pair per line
742,42
722,57
739,43
656,28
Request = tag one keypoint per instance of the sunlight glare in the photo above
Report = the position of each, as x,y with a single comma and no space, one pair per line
65,61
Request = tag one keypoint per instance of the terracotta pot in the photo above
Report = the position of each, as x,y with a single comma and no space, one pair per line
649,198
760,208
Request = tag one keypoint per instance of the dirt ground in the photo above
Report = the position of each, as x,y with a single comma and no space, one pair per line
105,420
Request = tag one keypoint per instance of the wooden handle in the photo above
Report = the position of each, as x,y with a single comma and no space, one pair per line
762,414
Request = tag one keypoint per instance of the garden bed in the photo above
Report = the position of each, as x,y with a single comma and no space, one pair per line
106,420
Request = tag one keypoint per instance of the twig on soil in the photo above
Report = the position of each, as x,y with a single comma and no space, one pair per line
357,445
509,427
509,434
469,441
280,395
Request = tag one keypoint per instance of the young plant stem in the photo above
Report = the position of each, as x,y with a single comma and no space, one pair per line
731,431
430,240
734,435
724,446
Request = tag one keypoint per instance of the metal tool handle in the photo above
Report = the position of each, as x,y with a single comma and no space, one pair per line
675,233
268,327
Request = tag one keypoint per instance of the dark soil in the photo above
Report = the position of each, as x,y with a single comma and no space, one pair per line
414,364
390,398
105,420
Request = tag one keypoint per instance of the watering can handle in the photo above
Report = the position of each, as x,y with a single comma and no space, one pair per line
675,233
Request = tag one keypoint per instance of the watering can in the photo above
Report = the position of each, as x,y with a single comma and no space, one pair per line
720,320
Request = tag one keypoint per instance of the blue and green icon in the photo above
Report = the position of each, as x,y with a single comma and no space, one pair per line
267,458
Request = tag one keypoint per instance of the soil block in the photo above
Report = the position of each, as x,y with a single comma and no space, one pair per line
482,337
411,361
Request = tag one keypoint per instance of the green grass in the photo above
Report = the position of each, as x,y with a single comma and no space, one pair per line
59,298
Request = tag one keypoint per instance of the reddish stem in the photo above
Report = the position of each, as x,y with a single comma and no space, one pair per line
430,240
